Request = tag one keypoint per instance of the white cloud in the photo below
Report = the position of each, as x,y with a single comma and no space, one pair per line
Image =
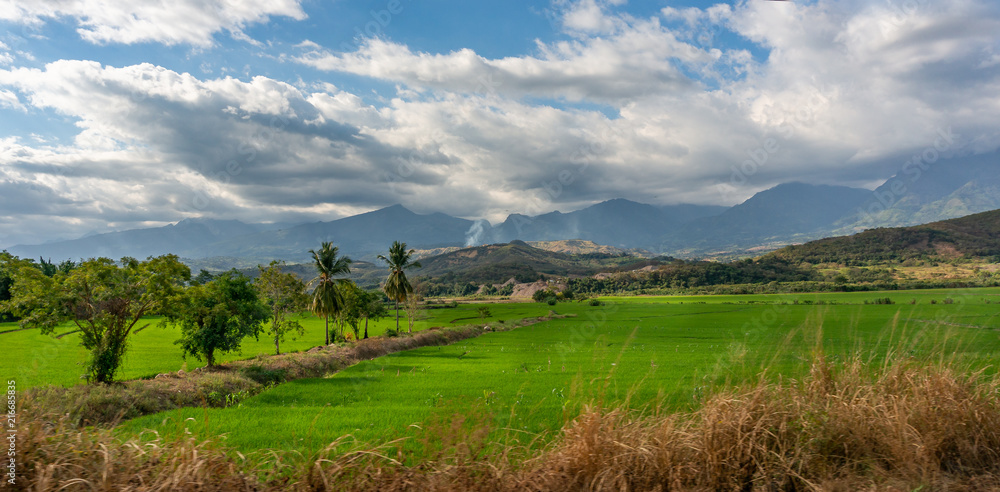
176,22
845,98
590,17
9,100
637,61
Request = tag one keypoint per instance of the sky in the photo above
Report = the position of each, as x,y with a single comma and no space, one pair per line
120,115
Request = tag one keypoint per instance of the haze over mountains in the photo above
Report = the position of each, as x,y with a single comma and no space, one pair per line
786,214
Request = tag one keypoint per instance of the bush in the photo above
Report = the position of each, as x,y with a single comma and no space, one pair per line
263,375
552,301
595,302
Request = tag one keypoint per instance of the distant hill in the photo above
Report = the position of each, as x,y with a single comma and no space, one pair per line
620,223
786,213
177,238
358,236
928,192
789,213
974,236
584,247
497,263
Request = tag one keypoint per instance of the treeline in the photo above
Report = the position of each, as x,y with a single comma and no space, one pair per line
687,275
109,300
9,264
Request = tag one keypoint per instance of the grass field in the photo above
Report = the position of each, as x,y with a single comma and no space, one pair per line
33,359
644,351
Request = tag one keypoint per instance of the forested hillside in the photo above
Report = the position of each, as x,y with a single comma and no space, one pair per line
974,236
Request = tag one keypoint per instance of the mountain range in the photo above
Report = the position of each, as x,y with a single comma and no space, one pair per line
789,213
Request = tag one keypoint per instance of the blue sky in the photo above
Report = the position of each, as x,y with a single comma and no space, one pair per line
116,117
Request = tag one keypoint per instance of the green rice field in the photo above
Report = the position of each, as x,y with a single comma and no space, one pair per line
644,352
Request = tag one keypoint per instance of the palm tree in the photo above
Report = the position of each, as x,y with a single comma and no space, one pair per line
396,286
327,300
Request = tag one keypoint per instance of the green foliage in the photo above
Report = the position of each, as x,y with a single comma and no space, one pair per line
263,375
361,305
542,295
9,266
397,287
972,236
219,315
682,275
104,300
203,277
880,300
327,299
284,294
484,312
50,269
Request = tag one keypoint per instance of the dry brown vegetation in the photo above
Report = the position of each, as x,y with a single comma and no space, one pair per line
900,426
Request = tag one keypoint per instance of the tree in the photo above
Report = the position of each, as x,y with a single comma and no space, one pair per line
372,308
327,299
9,266
50,269
219,315
105,301
203,277
284,294
351,314
397,287
412,306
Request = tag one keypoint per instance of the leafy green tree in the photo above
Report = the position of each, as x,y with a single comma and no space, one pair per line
219,315
350,315
372,308
285,295
397,287
9,266
327,299
105,301
203,277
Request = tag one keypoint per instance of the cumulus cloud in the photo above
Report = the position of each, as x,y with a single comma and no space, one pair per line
156,142
177,22
846,87
843,91
9,100
590,69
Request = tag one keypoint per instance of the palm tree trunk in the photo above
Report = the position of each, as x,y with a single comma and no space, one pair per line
277,349
327,318
366,327
397,316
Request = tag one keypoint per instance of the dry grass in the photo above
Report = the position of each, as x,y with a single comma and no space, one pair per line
901,426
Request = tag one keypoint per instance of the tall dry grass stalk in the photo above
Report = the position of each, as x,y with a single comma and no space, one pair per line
902,425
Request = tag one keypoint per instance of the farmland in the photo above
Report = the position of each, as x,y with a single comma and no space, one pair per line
646,352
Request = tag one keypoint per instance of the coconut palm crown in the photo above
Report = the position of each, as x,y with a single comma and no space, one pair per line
326,299
397,287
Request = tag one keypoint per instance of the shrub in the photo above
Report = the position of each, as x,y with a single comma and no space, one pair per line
264,375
